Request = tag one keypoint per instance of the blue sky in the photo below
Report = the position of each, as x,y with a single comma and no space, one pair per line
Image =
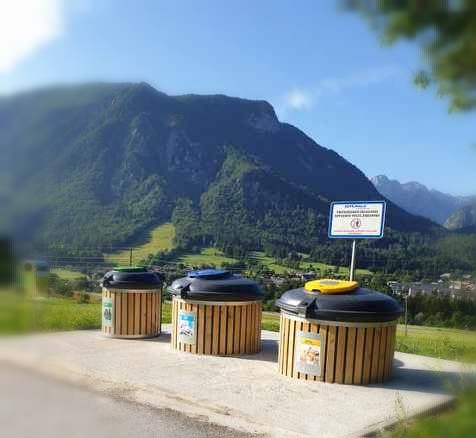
324,71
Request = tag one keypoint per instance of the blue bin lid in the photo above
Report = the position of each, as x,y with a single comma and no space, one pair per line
216,285
209,274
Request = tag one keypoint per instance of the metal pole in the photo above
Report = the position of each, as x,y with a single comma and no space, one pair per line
406,315
130,257
352,261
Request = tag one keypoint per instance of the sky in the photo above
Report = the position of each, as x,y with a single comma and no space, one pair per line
323,69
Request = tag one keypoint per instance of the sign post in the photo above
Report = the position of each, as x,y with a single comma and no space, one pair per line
356,220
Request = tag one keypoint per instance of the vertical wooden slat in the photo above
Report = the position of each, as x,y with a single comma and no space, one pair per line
143,314
359,356
291,340
117,314
208,329
350,355
252,343
330,353
341,354
223,329
159,313
390,351
280,345
375,355
216,330
230,331
258,326
286,346
243,329
249,328
137,314
382,350
154,313
201,328
237,331
130,313
124,313
369,338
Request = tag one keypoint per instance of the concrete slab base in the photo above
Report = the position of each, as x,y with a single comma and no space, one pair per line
245,393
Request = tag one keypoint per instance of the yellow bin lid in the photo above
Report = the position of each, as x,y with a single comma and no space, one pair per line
329,286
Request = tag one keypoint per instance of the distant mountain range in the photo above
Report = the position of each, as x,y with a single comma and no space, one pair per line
417,199
99,164
463,219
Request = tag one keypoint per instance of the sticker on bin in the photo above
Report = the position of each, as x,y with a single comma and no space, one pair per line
186,327
357,220
307,358
107,312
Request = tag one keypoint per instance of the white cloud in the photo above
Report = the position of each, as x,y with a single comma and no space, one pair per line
25,26
361,79
299,99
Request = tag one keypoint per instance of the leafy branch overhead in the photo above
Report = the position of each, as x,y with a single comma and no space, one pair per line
446,32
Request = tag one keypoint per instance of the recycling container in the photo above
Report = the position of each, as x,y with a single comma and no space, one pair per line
216,312
335,331
131,303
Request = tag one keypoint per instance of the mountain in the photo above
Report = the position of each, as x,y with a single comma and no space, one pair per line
463,219
98,164
419,200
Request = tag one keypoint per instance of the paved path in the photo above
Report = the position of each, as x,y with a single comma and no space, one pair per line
245,393
32,406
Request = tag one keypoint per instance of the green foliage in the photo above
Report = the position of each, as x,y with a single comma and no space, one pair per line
186,221
457,422
446,32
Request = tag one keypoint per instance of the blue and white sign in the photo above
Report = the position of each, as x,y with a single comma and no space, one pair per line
186,327
357,219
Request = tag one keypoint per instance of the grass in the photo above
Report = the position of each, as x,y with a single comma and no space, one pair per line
271,264
444,343
19,315
159,239
457,422
207,256
67,274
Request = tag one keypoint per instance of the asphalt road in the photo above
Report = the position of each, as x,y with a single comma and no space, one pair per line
31,406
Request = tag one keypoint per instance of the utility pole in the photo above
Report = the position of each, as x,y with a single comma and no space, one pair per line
406,310
352,261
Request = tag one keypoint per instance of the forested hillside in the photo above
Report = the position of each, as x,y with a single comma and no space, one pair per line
97,165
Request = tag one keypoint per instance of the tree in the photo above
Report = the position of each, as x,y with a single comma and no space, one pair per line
446,32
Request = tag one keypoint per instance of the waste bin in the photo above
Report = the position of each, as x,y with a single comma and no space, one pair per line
216,312
337,332
131,303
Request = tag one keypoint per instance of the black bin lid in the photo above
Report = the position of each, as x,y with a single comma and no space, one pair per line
216,285
131,277
359,305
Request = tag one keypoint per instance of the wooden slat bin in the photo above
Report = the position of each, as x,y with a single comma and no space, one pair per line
215,312
344,334
131,303
349,353
216,328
